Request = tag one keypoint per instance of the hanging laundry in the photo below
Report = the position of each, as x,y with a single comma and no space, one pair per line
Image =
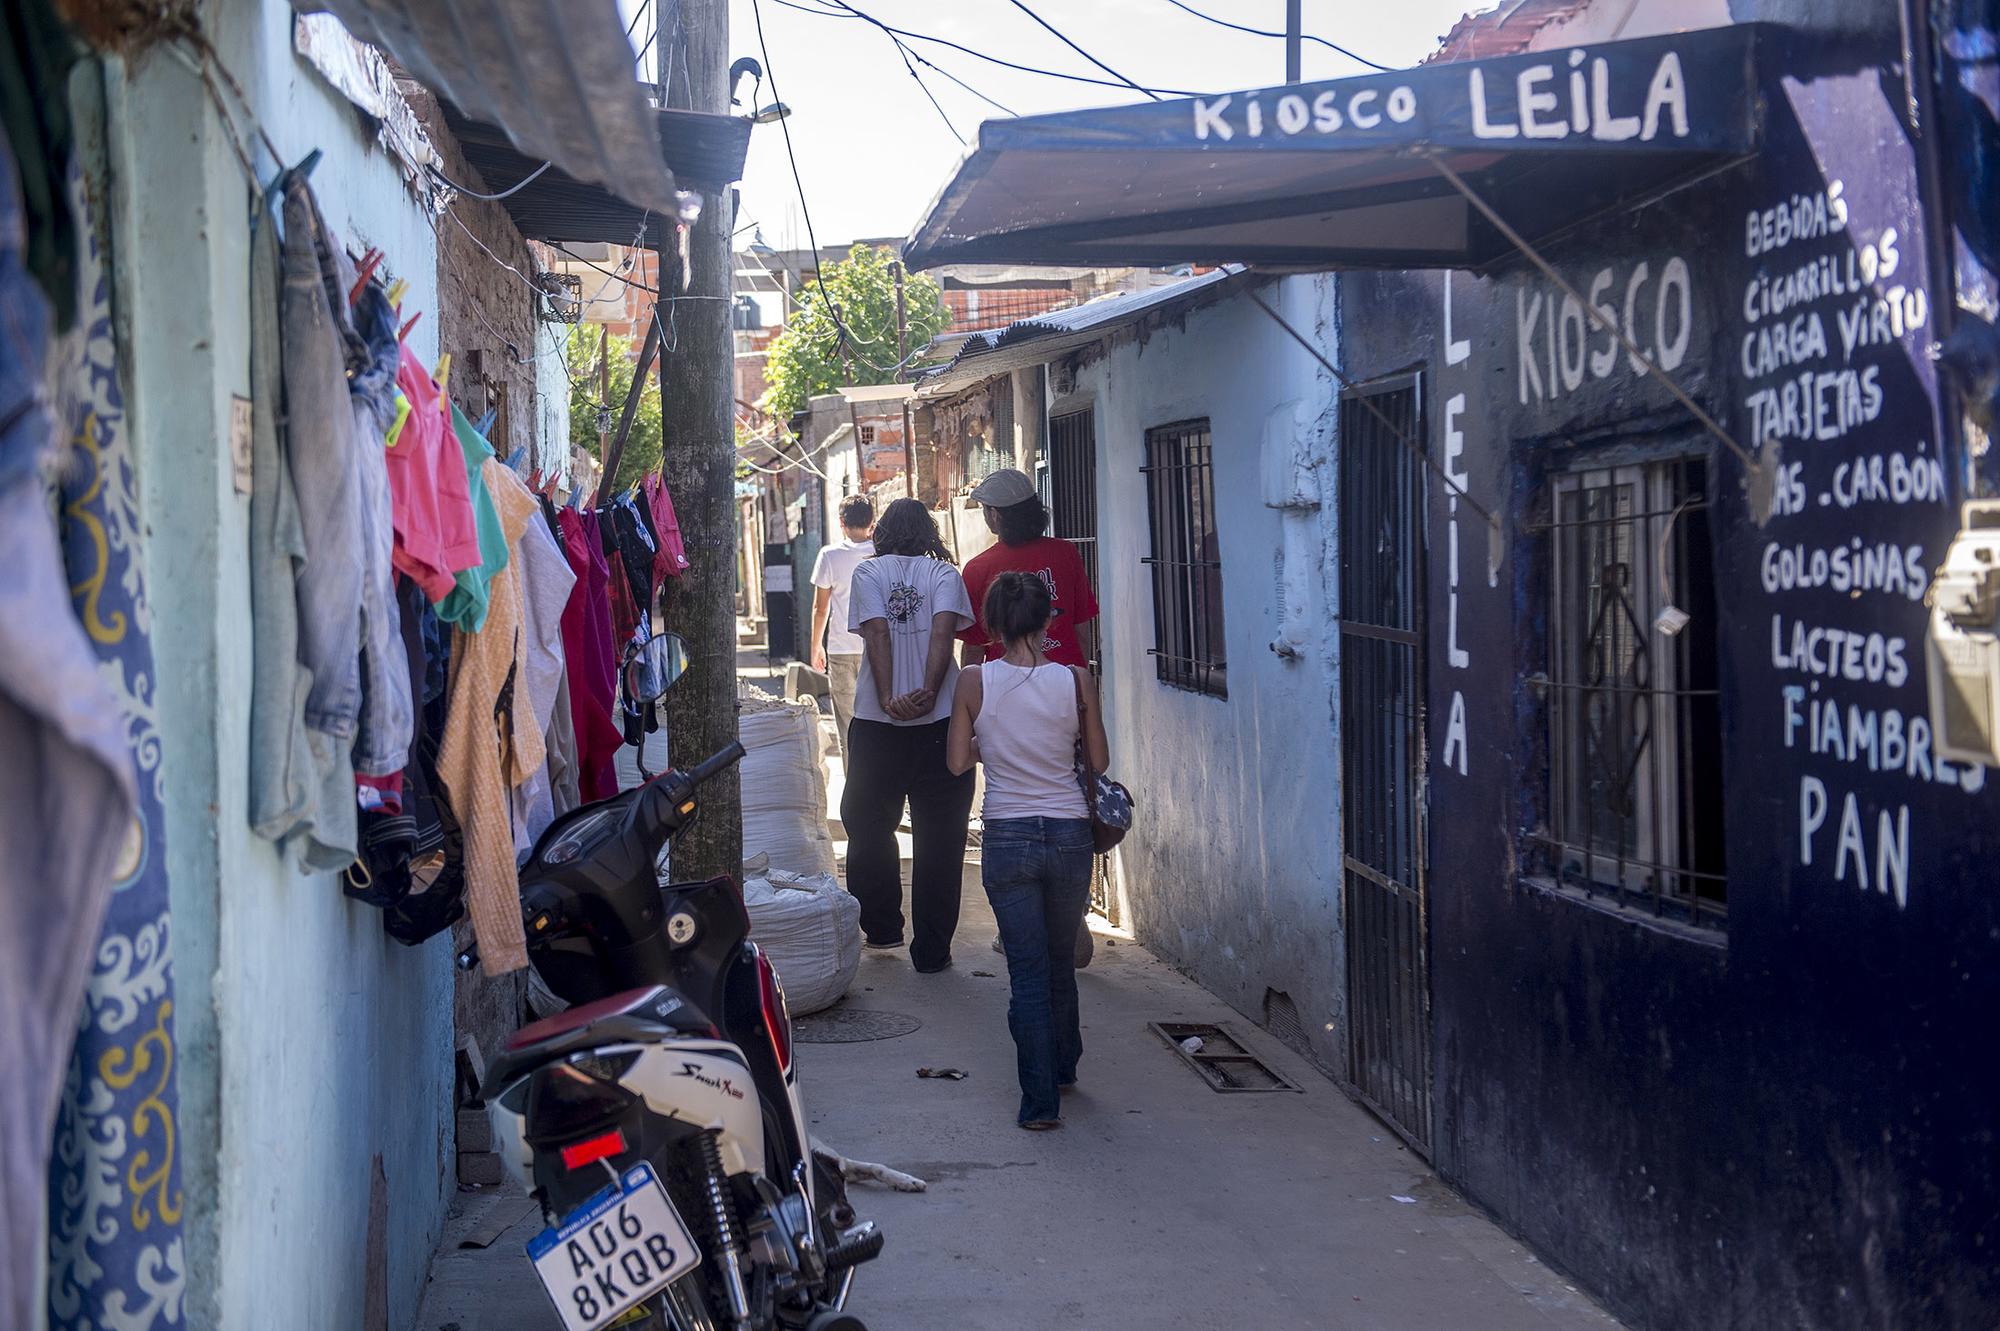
565,784
466,606
320,348
587,646
285,788
491,742
431,497
564,770
402,847
382,740
670,558
546,584
635,540
66,789
37,53
434,874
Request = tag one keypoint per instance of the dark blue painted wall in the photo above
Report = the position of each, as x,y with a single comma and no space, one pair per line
1791,1121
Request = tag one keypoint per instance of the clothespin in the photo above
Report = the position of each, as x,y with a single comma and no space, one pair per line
397,290
443,372
369,261
408,326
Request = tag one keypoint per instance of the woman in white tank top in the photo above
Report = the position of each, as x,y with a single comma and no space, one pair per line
1021,716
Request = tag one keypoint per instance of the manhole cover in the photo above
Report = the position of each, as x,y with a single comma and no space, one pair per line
851,1026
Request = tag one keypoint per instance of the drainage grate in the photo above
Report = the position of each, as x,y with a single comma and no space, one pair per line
1222,1060
852,1026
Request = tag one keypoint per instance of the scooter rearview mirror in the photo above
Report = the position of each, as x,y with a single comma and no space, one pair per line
655,667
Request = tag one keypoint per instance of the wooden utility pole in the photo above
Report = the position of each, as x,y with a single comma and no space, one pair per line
697,391
1294,40
603,406
902,354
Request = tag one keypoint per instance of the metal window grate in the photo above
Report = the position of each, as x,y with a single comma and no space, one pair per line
1073,487
1186,559
1634,718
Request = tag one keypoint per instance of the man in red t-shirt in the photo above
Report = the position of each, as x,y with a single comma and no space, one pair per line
1016,513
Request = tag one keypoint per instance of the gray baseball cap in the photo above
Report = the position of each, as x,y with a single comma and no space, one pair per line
1004,489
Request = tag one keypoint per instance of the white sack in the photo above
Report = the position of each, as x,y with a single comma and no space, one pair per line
810,928
784,790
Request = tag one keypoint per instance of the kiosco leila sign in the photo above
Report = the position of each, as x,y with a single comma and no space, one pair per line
1687,92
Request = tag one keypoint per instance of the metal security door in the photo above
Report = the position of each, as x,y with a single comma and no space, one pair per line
1382,754
1073,517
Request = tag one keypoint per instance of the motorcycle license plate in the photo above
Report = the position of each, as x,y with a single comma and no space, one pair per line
617,1249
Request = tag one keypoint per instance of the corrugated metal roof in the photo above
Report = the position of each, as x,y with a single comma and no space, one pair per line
1043,337
556,75
1507,29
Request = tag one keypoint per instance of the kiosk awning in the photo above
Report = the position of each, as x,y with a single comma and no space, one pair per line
1346,173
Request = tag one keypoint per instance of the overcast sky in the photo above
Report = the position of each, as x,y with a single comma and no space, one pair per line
874,153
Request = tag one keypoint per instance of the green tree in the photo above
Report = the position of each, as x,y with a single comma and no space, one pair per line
809,356
642,446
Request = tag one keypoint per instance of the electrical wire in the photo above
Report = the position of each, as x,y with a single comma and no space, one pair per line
840,325
1608,324
507,193
633,283
846,11
928,94
1058,34
908,54
1266,32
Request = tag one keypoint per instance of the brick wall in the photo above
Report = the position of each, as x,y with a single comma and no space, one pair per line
486,315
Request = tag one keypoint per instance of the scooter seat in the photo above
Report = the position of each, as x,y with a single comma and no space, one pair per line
633,1014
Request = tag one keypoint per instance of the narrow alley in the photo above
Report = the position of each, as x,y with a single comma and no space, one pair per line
861,665
1302,1211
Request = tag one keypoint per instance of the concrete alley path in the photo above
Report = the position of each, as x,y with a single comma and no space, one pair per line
1160,1206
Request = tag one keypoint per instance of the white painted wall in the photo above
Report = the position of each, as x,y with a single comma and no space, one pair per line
309,1044
1232,870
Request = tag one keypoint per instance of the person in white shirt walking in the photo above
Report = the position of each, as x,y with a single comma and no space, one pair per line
836,649
1026,719
908,603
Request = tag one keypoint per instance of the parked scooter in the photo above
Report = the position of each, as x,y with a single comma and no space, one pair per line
658,1119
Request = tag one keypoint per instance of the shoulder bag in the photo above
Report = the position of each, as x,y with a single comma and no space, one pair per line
1109,803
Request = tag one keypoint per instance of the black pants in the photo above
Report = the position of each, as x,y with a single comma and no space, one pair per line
886,765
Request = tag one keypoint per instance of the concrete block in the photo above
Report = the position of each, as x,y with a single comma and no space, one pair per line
475,1131
480,1169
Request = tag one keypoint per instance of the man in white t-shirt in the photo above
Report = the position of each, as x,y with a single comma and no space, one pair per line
836,649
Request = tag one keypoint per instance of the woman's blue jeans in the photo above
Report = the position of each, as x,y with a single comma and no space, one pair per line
1037,875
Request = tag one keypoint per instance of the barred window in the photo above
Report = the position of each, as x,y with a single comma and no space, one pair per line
1186,559
1634,721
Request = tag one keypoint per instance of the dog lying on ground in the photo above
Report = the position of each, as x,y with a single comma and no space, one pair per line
861,1171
